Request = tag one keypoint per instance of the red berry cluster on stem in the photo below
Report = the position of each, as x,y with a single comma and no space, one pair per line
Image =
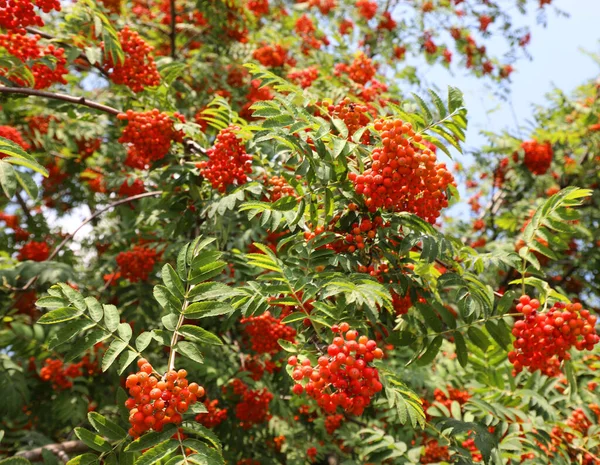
538,156
213,416
149,135
138,69
137,264
36,251
156,401
402,176
343,378
18,14
544,339
228,163
61,376
354,115
253,408
265,330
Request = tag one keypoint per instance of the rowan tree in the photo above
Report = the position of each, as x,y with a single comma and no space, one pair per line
230,235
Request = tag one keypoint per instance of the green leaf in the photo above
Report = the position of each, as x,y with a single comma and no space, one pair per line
111,317
93,441
461,349
68,332
28,184
190,350
197,334
51,302
124,331
15,461
59,315
167,299
84,459
151,439
106,427
431,352
157,453
143,341
196,429
85,343
95,309
478,337
207,308
125,360
172,281
116,347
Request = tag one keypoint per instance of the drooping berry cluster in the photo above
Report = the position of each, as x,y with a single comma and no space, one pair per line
138,69
402,176
26,48
354,115
12,134
213,416
18,14
304,77
36,251
130,188
137,264
253,407
400,303
228,163
434,452
343,378
333,422
278,187
538,156
366,8
542,339
274,56
149,135
362,233
264,331
156,401
61,376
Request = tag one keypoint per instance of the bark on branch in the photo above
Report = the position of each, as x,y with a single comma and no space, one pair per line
61,450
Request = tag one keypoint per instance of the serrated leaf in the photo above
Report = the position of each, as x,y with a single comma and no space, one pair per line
207,308
197,334
93,441
151,439
84,459
106,427
116,347
143,340
190,350
59,315
461,349
111,317
157,453
432,350
95,309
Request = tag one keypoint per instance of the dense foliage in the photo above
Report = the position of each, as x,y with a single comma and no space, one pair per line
267,260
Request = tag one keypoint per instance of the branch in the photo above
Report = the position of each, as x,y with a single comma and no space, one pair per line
91,218
61,450
63,97
173,34
23,206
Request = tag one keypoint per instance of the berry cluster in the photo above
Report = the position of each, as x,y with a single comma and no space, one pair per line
131,188
253,407
306,29
278,187
362,233
343,378
366,8
61,376
137,264
155,401
18,14
333,422
435,453
544,339
138,69
354,115
228,163
256,93
401,304
265,330
274,56
26,48
258,7
149,135
36,251
538,156
87,147
304,77
403,177
12,134
213,416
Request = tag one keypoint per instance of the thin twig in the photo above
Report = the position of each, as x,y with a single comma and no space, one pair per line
173,34
23,206
70,236
63,97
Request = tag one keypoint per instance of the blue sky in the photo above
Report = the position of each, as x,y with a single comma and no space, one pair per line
558,61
